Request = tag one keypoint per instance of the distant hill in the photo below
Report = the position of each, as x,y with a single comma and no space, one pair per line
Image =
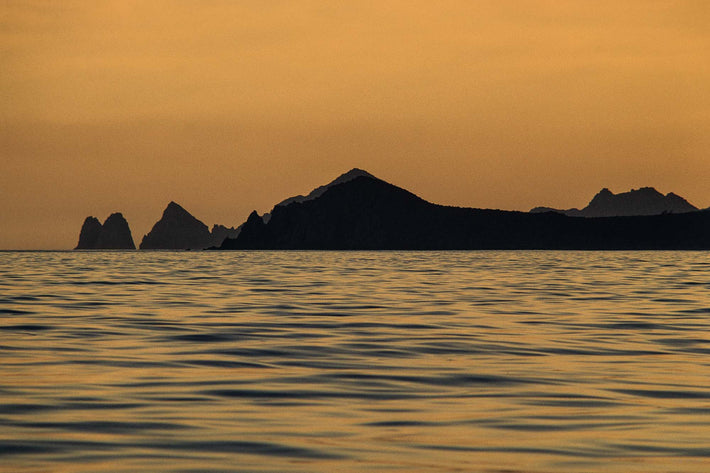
178,229
643,201
220,232
114,234
318,191
370,214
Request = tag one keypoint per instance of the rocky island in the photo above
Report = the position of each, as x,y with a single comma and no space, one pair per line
178,229
114,234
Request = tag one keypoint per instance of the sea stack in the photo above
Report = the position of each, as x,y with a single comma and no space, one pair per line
114,234
89,235
177,229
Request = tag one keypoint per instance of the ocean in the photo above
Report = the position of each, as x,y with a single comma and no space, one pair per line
518,361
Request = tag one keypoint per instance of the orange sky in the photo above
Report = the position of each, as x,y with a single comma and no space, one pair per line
228,106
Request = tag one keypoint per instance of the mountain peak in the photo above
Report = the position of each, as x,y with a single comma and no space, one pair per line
359,213
254,218
177,229
318,191
114,217
604,195
353,173
174,208
642,201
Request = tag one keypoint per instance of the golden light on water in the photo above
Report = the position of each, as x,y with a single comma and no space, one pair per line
352,361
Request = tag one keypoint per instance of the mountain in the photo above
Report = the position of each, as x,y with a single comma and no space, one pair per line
114,234
643,201
318,191
366,213
220,232
178,229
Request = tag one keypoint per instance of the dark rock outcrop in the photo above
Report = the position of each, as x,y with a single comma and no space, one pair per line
254,228
114,234
643,201
89,234
369,214
220,232
177,229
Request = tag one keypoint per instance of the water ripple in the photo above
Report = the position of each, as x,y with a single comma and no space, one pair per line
354,361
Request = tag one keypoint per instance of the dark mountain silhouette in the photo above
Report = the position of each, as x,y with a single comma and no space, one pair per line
318,191
178,229
114,234
89,234
643,201
220,232
369,214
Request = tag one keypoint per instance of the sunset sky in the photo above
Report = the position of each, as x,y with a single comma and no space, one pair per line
229,106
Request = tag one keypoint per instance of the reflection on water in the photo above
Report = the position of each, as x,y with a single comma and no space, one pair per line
355,361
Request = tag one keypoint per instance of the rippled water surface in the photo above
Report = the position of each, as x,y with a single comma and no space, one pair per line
354,361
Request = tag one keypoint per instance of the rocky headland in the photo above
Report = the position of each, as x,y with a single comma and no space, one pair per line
366,213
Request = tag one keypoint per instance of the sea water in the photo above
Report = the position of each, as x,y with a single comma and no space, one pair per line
354,361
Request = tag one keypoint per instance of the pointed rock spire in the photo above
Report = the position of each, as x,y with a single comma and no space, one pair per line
177,229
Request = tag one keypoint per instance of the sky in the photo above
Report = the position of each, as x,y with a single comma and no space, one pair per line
230,106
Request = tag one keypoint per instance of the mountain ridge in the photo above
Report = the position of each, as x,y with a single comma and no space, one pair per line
642,201
367,213
318,191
